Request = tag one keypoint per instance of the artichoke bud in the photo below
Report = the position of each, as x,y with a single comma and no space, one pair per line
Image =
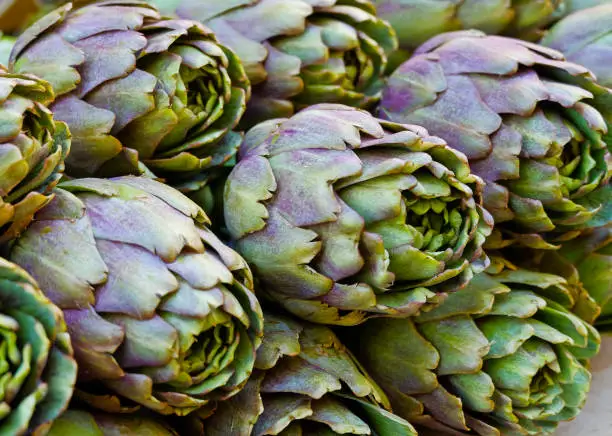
526,120
504,356
141,93
33,147
38,370
298,52
161,312
306,382
356,217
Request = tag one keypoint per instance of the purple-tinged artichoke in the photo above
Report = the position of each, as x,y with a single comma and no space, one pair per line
33,147
299,52
503,357
306,383
344,216
85,423
523,117
140,93
161,312
38,371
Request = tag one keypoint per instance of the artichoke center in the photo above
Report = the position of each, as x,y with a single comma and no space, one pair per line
437,222
212,352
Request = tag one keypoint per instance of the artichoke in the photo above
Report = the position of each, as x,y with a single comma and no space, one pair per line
503,357
591,256
38,369
344,216
33,147
415,21
139,92
299,52
85,423
306,383
523,117
160,312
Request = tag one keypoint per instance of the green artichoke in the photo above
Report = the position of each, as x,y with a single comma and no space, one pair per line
415,21
299,52
503,357
523,117
306,383
344,216
160,312
84,423
33,147
591,256
139,92
38,371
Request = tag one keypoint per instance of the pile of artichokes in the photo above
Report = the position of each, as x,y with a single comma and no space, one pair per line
302,217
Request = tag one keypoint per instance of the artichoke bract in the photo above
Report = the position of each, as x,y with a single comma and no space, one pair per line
306,383
86,423
504,356
299,52
585,37
38,368
140,93
415,21
33,147
523,117
591,256
344,216
161,312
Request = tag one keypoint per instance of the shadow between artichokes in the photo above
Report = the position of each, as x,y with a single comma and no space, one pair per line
503,357
33,147
344,216
161,313
306,383
38,371
140,93
299,52
524,118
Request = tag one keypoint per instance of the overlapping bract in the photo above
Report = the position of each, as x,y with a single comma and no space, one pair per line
591,256
523,117
503,357
585,37
415,21
160,311
37,368
299,52
306,383
139,92
344,216
33,147
85,423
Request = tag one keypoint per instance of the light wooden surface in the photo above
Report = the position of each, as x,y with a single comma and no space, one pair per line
596,417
